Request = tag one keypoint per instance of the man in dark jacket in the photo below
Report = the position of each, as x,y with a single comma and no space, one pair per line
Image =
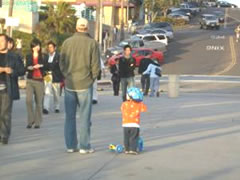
10,68
145,79
127,65
52,79
80,65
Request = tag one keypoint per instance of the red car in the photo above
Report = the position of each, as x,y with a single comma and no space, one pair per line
139,54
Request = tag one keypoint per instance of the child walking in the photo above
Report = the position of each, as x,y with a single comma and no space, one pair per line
131,110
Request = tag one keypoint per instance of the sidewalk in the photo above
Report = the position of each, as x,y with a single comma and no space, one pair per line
192,137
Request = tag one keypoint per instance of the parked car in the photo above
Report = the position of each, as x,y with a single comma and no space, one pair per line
224,4
185,12
209,21
220,16
162,25
139,54
179,16
169,34
195,9
135,42
154,37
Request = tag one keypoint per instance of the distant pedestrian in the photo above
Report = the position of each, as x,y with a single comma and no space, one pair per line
114,70
154,70
115,33
95,86
127,65
10,69
237,31
145,78
52,79
131,110
36,65
80,65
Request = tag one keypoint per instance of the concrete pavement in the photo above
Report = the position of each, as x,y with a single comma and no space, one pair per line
193,137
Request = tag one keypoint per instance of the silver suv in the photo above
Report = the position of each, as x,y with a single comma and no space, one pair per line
209,21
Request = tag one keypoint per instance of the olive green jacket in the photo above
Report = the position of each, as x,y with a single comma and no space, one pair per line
79,61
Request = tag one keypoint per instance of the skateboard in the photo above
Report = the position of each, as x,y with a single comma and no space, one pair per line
119,148
116,148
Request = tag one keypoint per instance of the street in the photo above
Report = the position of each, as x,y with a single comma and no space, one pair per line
195,136
209,52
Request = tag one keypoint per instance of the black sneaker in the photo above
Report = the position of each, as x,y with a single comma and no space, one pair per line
36,127
4,140
94,101
45,111
57,111
29,126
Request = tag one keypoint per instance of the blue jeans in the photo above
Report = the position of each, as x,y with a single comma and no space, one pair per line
154,86
126,83
83,100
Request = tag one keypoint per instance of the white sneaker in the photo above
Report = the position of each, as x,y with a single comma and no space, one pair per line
86,151
71,150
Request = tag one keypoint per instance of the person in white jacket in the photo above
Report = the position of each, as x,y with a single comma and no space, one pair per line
154,70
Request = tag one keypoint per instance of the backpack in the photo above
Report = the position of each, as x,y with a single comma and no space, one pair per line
158,72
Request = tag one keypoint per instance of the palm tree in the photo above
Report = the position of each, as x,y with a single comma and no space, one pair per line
60,22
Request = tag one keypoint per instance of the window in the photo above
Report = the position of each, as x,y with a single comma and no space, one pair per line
149,38
141,44
161,37
140,53
147,52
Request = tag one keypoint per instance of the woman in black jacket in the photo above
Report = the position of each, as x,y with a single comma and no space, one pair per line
114,69
35,66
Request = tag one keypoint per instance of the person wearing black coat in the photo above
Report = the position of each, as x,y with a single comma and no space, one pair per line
52,80
127,65
114,70
36,66
10,68
145,78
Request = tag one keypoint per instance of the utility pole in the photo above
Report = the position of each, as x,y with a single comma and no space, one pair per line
97,21
122,21
112,22
10,13
101,25
127,15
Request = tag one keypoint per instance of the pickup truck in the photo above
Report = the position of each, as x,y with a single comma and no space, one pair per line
135,43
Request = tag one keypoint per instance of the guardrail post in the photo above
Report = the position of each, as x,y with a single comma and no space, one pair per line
173,86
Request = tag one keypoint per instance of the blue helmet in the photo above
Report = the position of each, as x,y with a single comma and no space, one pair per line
135,94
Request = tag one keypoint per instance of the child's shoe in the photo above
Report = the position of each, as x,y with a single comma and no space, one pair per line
133,152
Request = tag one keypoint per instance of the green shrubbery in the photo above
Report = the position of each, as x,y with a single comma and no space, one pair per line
175,22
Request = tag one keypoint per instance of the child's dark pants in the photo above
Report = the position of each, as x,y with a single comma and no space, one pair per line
131,135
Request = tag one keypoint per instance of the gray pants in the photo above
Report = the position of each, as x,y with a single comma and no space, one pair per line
34,89
126,83
5,114
154,86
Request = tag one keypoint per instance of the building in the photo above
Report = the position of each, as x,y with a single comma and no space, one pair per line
26,11
107,9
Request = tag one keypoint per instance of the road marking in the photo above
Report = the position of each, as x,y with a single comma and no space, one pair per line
233,56
203,119
210,104
234,18
225,18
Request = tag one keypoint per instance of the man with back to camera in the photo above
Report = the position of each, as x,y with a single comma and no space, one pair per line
80,66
